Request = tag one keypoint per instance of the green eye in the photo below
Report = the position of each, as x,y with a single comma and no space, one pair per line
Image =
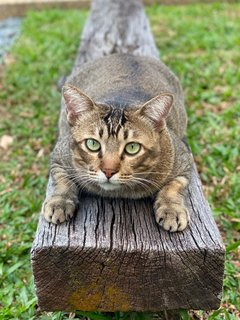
93,145
132,148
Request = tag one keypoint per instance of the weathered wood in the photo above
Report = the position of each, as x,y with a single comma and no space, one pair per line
116,27
113,255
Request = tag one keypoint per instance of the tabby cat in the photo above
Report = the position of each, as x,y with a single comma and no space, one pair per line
121,134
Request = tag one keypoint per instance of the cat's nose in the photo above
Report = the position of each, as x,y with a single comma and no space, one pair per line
109,172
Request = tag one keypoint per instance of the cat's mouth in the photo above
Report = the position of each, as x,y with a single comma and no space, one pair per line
108,186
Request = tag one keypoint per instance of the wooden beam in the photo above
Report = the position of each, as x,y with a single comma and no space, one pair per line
113,256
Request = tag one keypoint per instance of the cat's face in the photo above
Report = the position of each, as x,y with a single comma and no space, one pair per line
119,152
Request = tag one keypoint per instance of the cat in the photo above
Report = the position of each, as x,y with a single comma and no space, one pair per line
121,134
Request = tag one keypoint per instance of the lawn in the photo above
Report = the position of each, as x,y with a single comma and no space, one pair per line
201,44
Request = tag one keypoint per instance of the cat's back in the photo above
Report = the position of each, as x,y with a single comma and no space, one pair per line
122,80
125,77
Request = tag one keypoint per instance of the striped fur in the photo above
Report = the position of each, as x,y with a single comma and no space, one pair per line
119,100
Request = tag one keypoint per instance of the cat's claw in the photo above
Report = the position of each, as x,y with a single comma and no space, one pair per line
58,209
172,218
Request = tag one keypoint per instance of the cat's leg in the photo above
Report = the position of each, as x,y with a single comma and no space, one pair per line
63,202
170,210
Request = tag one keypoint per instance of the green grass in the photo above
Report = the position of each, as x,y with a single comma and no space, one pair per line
200,43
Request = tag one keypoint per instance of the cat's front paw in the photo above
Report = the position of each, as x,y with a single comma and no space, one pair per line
173,217
58,209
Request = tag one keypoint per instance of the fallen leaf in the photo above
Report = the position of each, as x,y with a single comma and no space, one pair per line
40,153
6,141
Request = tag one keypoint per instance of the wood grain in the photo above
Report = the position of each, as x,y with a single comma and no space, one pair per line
115,27
113,256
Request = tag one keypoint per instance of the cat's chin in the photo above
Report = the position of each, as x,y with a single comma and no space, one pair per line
107,186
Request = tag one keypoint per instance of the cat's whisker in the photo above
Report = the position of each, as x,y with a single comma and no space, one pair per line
76,170
71,175
169,176
145,181
92,175
74,178
142,185
92,171
66,178
84,185
149,172
80,185
70,168
124,179
130,185
71,183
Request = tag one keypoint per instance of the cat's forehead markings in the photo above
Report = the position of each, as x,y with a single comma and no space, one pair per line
114,120
125,134
136,134
100,132
130,134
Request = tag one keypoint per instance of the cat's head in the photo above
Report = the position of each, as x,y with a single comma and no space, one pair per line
125,152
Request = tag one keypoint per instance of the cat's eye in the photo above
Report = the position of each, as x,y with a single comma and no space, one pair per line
92,145
132,148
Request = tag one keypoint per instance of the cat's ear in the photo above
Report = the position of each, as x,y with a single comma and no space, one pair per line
157,108
77,103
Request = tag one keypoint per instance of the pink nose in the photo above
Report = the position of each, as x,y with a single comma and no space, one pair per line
109,172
